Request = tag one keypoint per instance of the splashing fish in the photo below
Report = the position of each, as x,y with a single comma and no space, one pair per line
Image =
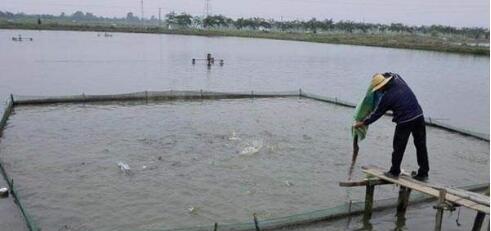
234,136
125,168
252,149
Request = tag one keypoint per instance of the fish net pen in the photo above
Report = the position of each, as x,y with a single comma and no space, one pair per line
340,211
201,94
149,96
322,215
428,120
31,225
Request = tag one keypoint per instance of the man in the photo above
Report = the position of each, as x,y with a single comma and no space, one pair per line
408,115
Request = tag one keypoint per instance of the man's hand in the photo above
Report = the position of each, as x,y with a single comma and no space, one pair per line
358,124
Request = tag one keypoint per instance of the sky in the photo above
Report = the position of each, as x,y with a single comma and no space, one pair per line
459,13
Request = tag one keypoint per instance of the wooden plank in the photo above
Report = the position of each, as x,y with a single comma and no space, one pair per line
476,197
473,196
423,187
364,182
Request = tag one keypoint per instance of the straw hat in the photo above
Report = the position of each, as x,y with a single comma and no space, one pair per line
378,81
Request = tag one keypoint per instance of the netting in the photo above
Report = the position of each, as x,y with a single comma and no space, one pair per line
201,94
461,131
31,225
343,210
149,96
340,211
333,100
428,120
362,110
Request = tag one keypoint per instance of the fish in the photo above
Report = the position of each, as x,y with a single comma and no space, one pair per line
250,150
124,167
233,137
192,210
253,148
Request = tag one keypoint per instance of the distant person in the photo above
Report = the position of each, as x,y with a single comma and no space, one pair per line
39,21
408,115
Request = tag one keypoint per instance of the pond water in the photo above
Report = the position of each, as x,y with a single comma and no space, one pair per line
451,88
199,162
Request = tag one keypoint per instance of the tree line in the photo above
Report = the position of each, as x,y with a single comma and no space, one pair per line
183,20
314,25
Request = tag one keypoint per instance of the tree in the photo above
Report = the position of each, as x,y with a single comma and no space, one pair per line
170,18
131,18
239,23
197,22
183,20
218,21
78,15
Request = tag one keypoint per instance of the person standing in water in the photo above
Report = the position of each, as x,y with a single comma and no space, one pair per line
408,116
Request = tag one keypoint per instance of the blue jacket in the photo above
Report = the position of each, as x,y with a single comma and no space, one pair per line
399,99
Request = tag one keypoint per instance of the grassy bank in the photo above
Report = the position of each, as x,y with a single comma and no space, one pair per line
405,41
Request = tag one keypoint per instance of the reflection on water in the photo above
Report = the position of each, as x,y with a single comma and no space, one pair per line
189,166
418,217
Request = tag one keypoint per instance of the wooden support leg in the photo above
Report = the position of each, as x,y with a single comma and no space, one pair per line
478,221
256,224
403,201
368,202
440,207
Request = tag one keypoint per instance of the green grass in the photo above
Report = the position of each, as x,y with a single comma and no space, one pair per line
405,41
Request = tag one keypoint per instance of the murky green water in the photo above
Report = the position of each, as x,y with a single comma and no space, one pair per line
199,162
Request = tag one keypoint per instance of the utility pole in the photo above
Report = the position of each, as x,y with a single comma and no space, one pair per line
160,17
141,6
207,11
207,8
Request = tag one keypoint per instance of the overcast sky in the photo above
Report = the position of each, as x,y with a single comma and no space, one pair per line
413,12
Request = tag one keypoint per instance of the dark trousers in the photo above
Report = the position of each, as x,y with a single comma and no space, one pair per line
401,136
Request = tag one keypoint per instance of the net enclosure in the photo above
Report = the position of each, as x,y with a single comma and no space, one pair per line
174,159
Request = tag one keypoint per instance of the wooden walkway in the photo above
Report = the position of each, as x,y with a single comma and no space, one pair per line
433,190
448,197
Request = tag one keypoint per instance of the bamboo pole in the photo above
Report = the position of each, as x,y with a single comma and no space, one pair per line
256,223
440,207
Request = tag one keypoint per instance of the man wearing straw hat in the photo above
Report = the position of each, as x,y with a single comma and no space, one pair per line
408,115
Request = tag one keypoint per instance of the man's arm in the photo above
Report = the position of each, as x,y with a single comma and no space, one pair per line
380,109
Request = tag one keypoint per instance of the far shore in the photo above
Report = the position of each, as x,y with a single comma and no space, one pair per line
404,41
